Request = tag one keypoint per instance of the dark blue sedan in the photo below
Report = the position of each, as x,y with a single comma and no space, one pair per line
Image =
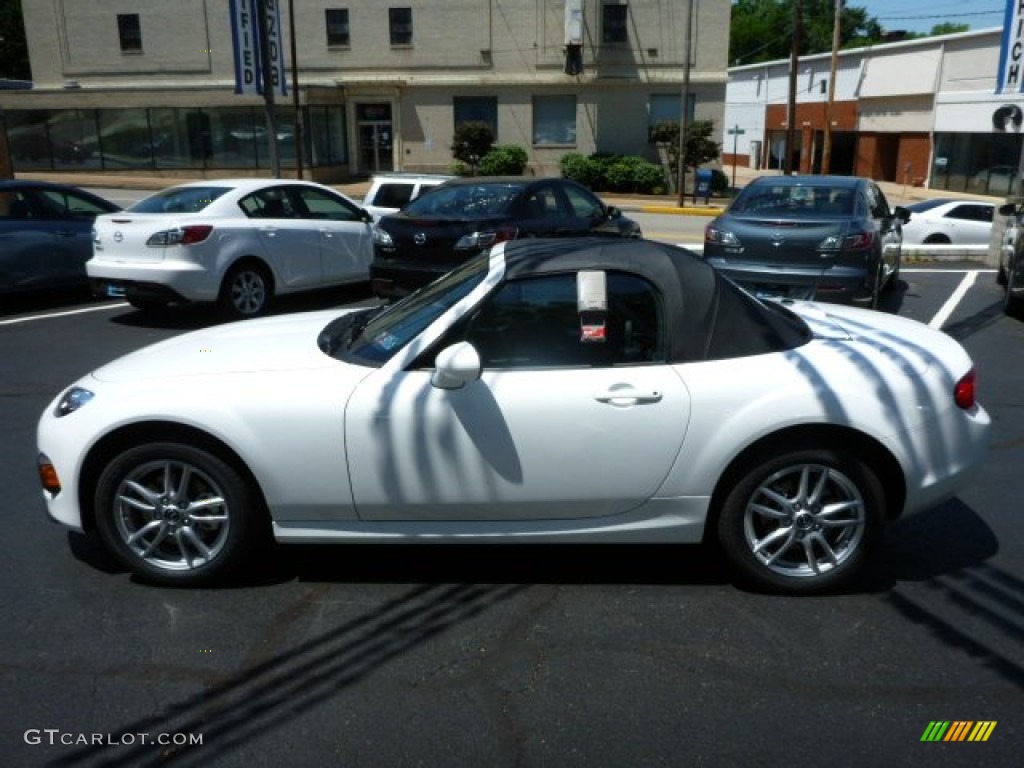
46,235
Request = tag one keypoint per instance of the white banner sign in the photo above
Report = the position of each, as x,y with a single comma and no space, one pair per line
245,36
1010,78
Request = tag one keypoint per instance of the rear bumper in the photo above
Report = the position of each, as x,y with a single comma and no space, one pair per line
843,284
162,280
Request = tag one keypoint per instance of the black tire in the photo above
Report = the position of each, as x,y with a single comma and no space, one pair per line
777,530
177,515
246,291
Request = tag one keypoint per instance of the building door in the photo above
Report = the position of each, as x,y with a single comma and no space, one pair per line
376,137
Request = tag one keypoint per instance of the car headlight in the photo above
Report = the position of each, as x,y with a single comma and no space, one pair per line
72,400
382,238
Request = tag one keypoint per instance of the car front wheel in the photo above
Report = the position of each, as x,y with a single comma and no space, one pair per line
802,522
176,515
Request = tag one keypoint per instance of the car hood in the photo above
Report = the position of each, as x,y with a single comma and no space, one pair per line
283,343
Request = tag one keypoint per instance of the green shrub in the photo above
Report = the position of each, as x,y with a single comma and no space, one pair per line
634,174
719,183
504,160
581,169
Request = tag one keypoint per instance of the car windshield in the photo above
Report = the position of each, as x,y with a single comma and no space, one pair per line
179,200
383,334
794,199
475,200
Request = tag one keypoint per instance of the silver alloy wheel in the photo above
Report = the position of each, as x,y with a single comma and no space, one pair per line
805,520
172,515
248,292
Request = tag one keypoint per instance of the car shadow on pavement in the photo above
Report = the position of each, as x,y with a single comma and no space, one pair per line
191,317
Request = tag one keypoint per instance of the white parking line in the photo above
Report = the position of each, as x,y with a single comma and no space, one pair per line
961,290
49,315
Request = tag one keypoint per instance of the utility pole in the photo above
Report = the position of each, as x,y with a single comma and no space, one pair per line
299,138
794,60
684,106
826,148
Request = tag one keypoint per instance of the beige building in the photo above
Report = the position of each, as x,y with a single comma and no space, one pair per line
149,85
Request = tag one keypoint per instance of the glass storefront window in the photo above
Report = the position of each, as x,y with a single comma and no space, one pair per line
168,138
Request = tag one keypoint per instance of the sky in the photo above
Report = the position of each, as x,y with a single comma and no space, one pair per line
922,15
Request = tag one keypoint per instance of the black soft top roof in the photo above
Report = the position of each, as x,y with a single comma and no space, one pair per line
708,316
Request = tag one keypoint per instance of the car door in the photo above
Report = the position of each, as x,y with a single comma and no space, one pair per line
555,427
545,214
69,218
289,242
888,227
346,248
26,243
969,223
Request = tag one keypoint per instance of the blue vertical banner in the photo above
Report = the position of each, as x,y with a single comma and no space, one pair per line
245,39
1010,78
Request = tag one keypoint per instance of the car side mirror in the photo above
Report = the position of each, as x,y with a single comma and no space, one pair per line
1008,209
456,366
613,212
366,216
901,213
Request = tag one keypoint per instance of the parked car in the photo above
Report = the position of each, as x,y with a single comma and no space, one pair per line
46,234
942,221
826,237
389,192
555,390
1010,273
466,216
239,242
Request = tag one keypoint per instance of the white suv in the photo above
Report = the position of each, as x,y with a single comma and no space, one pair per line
391,191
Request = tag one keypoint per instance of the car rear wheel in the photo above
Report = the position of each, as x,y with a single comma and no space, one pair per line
936,240
176,515
802,522
246,291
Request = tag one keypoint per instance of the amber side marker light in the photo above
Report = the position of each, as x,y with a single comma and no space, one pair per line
48,475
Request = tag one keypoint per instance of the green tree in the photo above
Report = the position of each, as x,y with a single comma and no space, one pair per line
698,147
948,28
13,46
471,142
762,30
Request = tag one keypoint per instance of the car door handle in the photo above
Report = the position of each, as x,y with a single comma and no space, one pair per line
628,396
65,233
326,233
271,231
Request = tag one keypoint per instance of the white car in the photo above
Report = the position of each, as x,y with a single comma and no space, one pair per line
239,242
390,192
578,390
949,222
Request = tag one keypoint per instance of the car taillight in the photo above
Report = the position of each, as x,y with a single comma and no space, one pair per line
855,241
964,391
181,235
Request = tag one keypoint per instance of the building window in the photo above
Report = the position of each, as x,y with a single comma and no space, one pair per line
476,109
337,26
554,119
664,108
400,23
614,28
129,31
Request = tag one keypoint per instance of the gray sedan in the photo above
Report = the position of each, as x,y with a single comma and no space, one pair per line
823,237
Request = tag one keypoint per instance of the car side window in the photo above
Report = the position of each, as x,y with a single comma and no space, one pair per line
393,195
583,204
542,203
877,203
271,203
534,323
317,204
69,204
971,212
14,206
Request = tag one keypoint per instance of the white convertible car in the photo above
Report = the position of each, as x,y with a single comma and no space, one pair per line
595,390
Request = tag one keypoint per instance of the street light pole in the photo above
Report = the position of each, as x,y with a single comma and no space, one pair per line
826,148
683,107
